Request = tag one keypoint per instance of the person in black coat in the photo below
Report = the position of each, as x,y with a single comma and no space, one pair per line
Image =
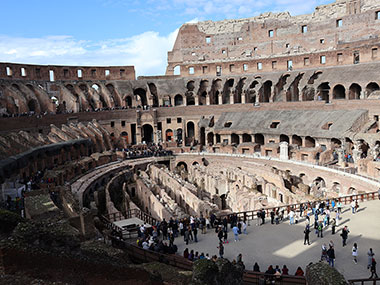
331,255
307,235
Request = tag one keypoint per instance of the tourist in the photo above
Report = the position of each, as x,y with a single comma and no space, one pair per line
307,235
186,253
258,218
239,258
331,255
373,269
207,223
244,226
196,256
344,235
299,272
277,269
256,267
239,228
225,237
202,256
195,233
353,208
191,255
186,236
207,256
262,215
270,270
370,256
272,214
291,217
333,205
285,270
221,249
320,229
355,253
220,234
333,224
277,218
339,206
324,253
236,233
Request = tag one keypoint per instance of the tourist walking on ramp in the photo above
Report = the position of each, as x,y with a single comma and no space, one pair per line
373,269
221,249
236,233
331,255
353,206
307,235
355,253
320,229
333,224
262,215
370,256
344,235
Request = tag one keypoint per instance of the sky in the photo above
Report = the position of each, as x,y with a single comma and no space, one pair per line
115,32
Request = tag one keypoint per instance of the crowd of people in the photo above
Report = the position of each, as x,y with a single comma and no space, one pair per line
148,150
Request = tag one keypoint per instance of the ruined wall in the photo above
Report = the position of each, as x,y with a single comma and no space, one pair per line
343,32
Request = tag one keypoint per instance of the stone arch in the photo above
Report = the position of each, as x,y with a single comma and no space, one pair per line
179,135
93,103
336,143
251,92
259,139
178,100
190,127
142,96
372,87
32,105
297,140
339,92
284,138
214,93
265,92
323,92
239,91
210,138
336,187
235,139
309,142
153,92
128,101
247,138
202,92
182,165
203,136
114,94
227,91
354,91
308,93
147,133
98,90
168,135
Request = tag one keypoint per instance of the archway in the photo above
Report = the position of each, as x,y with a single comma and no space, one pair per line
128,101
297,140
147,133
32,105
178,100
227,91
372,87
323,91
354,91
153,92
335,143
179,135
309,142
284,138
247,138
168,135
234,139
142,95
203,136
259,138
124,135
210,138
190,129
182,165
339,92
266,91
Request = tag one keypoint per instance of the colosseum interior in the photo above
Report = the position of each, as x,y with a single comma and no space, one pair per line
254,113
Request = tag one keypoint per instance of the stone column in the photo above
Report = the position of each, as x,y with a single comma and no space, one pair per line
208,99
220,98
341,161
243,94
284,151
231,97
196,100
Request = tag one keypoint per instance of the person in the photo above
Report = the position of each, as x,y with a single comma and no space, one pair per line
370,256
191,255
285,270
299,272
221,249
270,270
307,235
195,233
258,218
186,236
272,214
353,208
236,233
262,215
333,224
373,269
320,229
256,267
378,193
355,252
291,217
225,237
239,258
331,255
324,252
333,205
339,206
244,226
220,234
344,235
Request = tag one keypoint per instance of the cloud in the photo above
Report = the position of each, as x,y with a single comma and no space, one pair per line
146,51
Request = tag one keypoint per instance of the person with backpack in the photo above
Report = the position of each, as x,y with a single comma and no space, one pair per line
307,235
373,269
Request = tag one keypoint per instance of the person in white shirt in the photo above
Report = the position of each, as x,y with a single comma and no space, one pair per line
353,204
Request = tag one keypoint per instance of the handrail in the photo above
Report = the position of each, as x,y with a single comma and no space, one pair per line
249,277
346,199
362,281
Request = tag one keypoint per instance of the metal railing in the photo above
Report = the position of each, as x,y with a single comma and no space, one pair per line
364,281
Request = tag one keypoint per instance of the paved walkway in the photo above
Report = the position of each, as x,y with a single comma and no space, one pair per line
283,244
